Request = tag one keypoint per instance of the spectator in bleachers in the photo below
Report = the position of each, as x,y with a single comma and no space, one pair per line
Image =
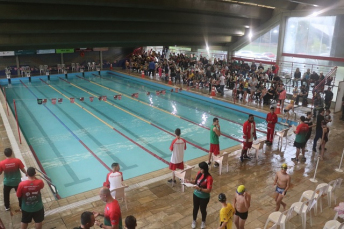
305,78
253,67
302,94
297,77
269,95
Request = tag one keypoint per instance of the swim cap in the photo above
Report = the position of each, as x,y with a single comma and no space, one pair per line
241,189
291,101
284,166
222,197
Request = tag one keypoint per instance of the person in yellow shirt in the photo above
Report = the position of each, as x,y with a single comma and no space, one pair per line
226,213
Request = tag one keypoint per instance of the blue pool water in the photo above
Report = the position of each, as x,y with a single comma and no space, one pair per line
76,143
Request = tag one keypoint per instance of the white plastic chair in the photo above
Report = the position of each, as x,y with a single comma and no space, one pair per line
280,218
59,69
89,66
221,160
332,185
302,208
73,67
257,146
332,224
316,194
120,194
282,134
183,175
41,69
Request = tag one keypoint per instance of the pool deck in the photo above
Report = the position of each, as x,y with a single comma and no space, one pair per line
156,204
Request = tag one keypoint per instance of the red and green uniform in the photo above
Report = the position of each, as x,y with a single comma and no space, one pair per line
112,214
11,168
30,192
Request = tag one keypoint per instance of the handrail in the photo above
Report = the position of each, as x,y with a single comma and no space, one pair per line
326,77
54,189
45,175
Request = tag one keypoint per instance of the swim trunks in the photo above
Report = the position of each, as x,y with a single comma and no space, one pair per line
241,215
280,190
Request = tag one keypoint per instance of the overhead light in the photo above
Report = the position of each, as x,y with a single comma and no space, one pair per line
247,27
315,5
207,48
275,31
250,35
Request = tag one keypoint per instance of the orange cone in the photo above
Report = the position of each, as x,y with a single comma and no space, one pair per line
110,66
213,93
142,74
278,109
169,80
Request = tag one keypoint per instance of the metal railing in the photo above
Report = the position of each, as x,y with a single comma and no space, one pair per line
48,180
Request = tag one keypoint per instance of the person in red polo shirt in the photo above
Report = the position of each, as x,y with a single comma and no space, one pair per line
11,168
271,119
249,131
112,212
32,205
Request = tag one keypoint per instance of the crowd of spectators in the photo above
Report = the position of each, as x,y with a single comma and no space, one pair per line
250,81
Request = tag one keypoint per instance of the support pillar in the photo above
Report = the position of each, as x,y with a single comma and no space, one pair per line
281,39
62,58
101,59
18,65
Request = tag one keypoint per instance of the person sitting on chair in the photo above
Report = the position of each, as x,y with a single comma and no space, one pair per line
303,94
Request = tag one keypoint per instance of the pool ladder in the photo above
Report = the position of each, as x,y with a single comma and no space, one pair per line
51,185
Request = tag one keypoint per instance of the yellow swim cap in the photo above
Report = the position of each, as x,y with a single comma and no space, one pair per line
284,166
241,189
291,101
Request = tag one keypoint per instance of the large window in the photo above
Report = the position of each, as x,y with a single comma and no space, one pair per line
264,47
309,35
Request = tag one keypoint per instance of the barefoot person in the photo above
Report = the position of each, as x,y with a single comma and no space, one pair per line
215,133
249,131
282,182
324,139
242,203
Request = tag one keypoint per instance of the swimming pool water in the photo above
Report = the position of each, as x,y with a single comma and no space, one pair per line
76,143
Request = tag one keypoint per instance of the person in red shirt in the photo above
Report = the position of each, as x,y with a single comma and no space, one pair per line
112,212
32,205
11,166
249,131
271,119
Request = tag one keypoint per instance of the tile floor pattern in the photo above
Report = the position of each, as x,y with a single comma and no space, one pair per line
158,205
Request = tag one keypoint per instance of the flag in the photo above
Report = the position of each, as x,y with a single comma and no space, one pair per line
59,100
100,98
91,99
104,98
53,101
81,99
72,100
39,101
44,101
119,97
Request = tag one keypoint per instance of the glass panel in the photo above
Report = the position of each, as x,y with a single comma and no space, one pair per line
263,48
309,35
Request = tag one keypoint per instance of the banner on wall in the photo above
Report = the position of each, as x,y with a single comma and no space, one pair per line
100,49
6,53
45,51
64,50
83,50
25,52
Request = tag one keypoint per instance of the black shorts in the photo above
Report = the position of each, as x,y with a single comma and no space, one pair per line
37,216
299,145
241,215
285,111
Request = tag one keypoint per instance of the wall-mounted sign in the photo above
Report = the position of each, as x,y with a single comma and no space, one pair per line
25,52
83,50
100,49
7,53
64,50
45,51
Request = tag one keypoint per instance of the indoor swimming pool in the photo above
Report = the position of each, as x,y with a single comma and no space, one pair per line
77,139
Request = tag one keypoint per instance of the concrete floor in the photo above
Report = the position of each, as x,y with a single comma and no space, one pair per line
156,204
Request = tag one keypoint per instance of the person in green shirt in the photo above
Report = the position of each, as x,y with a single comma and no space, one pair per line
215,133
11,167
